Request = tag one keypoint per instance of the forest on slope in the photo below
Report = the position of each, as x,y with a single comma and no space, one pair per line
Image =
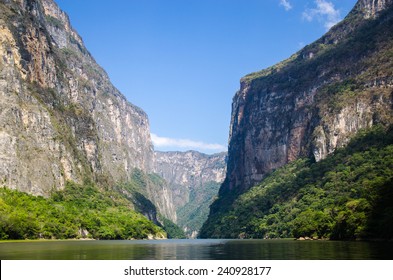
86,211
310,142
347,196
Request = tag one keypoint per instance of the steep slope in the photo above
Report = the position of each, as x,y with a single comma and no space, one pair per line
312,103
150,193
348,195
77,211
194,179
61,118
315,101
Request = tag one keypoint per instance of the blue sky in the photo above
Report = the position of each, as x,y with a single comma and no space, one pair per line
181,60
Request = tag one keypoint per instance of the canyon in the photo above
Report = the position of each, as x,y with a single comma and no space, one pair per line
63,123
62,120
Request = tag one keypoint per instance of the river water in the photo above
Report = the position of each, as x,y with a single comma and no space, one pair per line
196,250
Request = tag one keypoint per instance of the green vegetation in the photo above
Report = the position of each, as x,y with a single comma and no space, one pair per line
75,212
86,211
349,195
193,214
54,22
173,230
135,191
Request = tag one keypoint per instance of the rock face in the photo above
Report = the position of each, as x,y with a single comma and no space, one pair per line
193,179
371,8
314,102
60,117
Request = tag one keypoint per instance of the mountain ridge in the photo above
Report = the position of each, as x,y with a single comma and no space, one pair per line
296,84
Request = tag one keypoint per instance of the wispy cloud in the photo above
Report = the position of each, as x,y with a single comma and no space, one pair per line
286,4
324,12
185,144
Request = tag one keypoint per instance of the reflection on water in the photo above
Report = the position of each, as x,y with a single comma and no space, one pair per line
196,250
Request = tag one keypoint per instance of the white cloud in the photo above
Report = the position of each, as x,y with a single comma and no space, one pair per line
325,12
185,144
286,4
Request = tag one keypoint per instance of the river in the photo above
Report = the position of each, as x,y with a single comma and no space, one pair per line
198,249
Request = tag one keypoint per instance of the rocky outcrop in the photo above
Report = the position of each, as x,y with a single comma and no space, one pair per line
371,8
193,179
314,102
60,117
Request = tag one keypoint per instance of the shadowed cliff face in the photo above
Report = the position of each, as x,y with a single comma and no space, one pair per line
316,100
189,170
193,180
61,118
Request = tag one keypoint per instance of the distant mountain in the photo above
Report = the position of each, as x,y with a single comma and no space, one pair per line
307,106
193,179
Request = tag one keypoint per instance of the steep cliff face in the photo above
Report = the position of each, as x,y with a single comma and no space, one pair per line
292,116
315,101
193,179
60,117
371,8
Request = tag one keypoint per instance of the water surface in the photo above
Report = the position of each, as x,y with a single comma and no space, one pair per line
196,250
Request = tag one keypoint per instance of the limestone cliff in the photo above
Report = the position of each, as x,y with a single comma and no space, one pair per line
193,179
371,8
315,101
60,117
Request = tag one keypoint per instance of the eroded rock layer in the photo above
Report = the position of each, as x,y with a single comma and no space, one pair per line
60,117
314,102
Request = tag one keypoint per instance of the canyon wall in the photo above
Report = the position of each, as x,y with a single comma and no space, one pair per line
61,118
315,101
193,179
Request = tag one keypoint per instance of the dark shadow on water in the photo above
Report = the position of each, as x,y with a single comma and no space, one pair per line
305,250
196,250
